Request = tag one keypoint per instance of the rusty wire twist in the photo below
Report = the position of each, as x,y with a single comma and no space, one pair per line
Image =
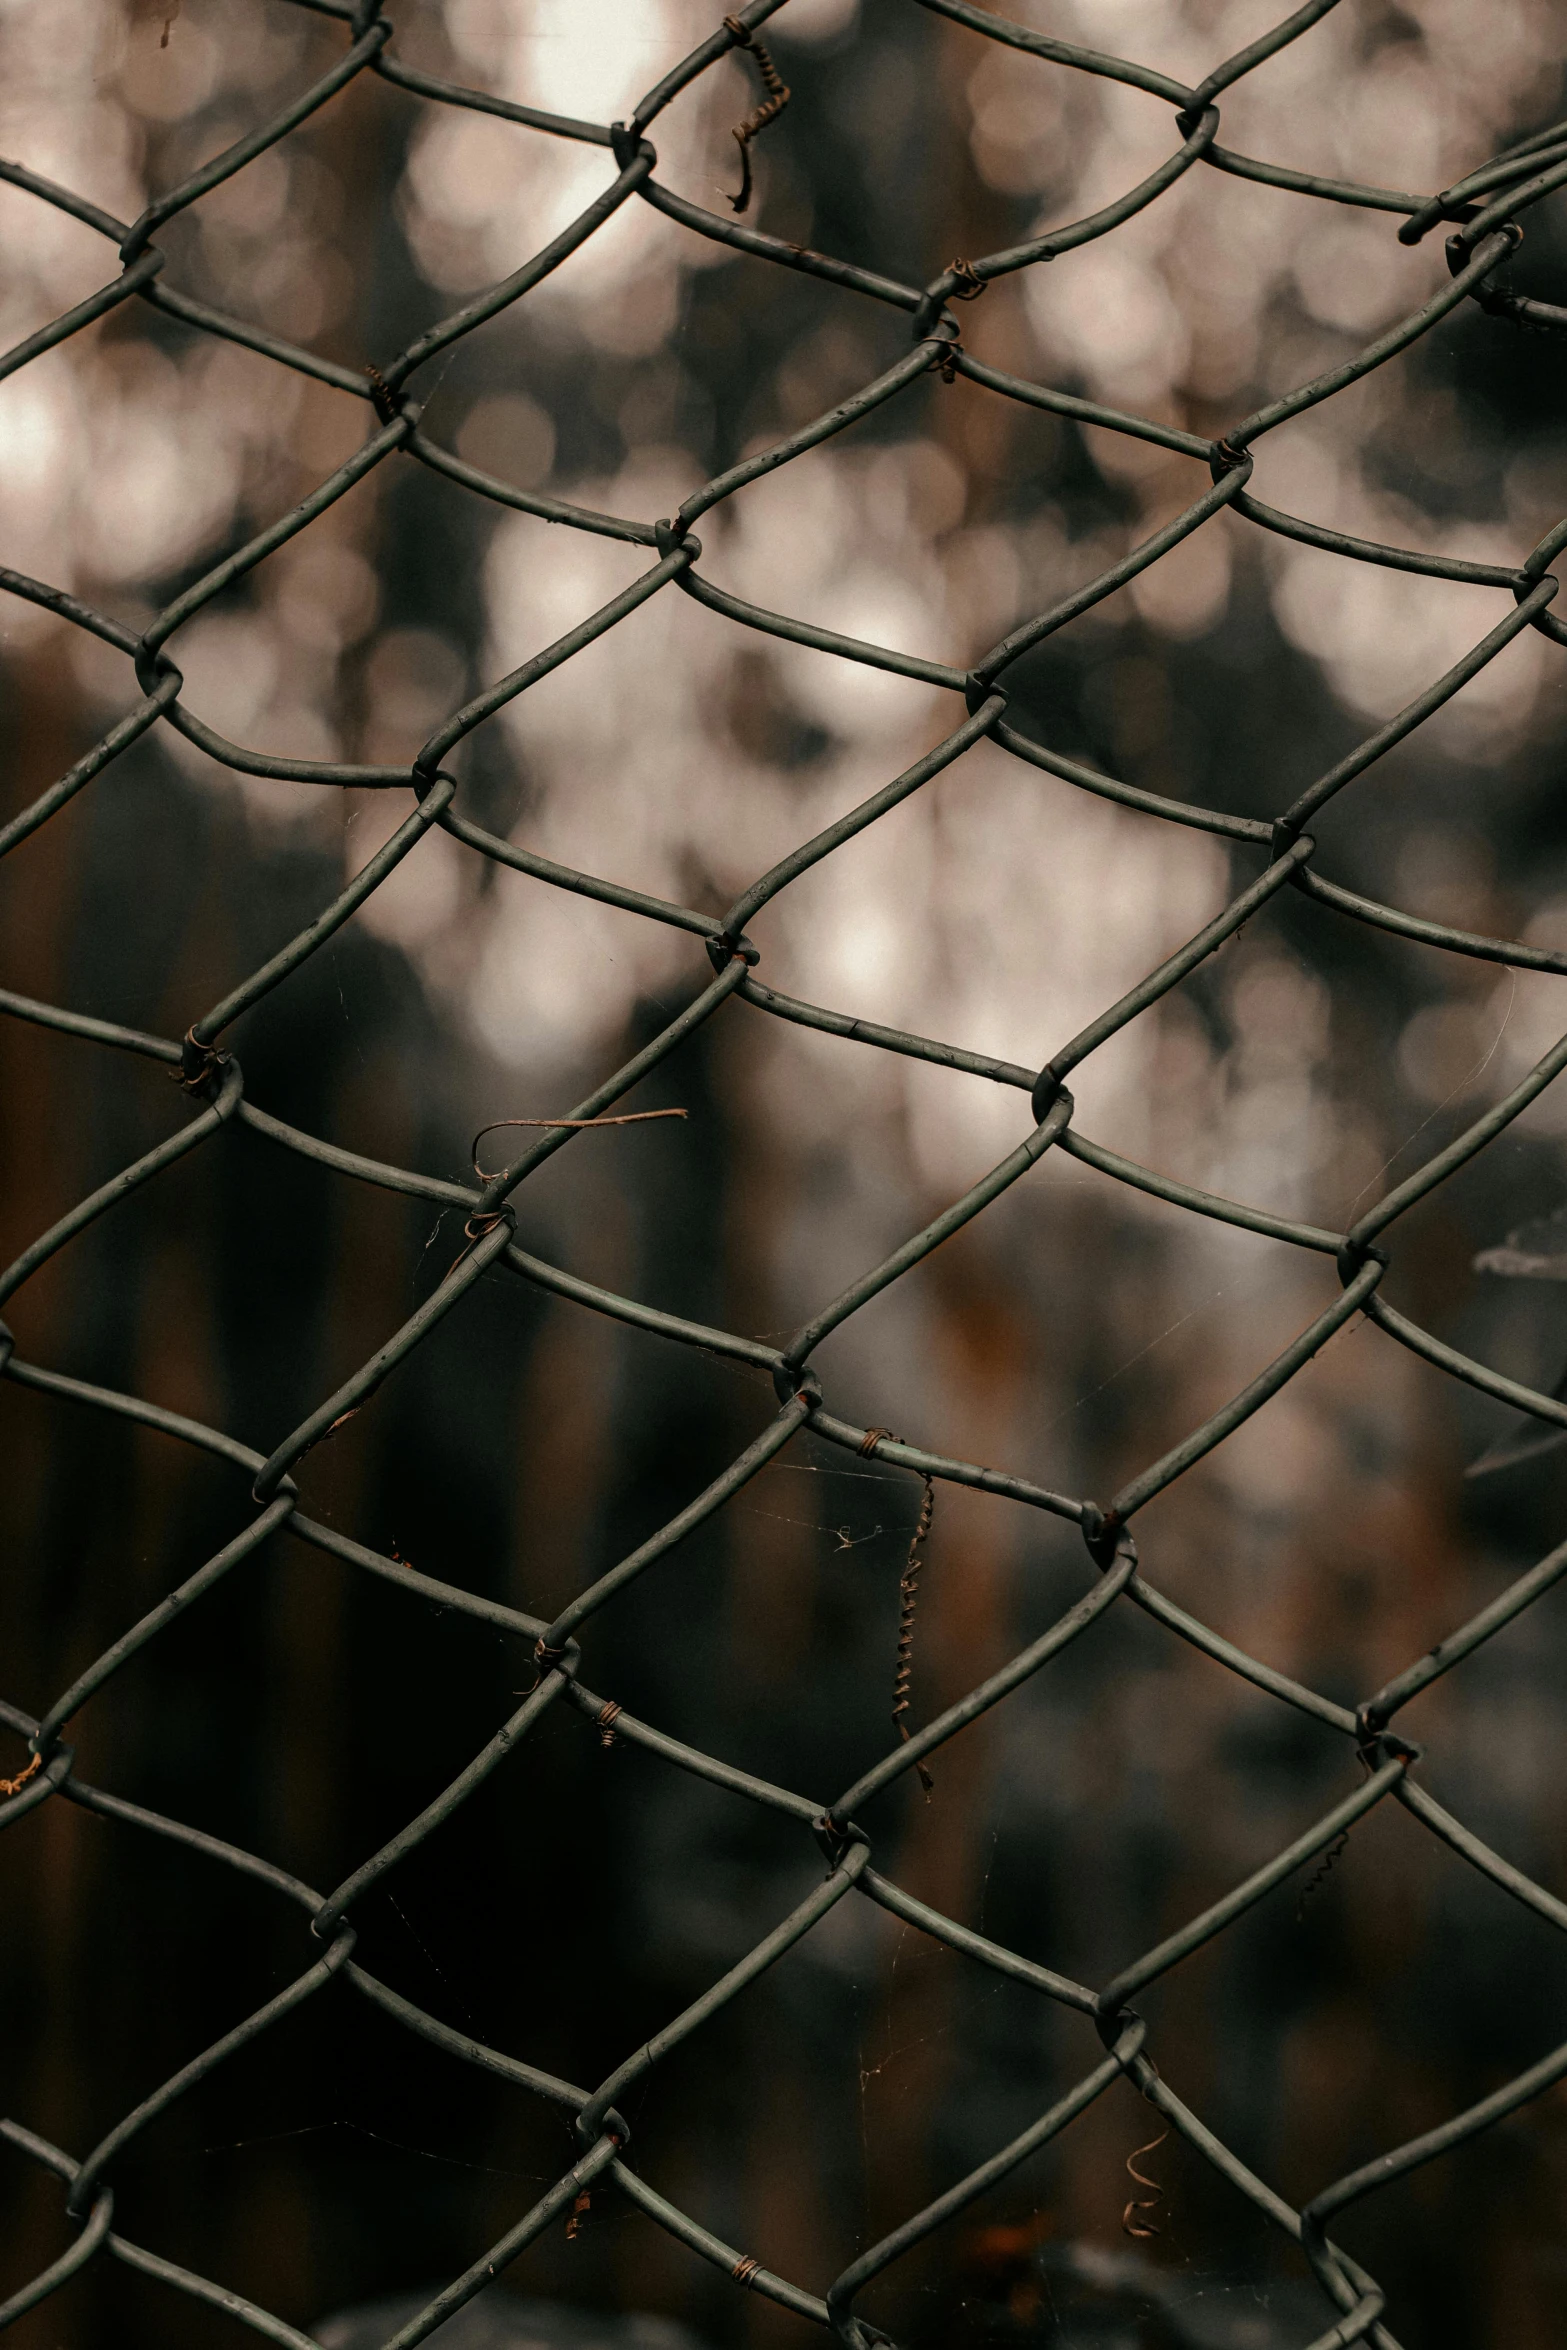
761,115
908,1604
1483,210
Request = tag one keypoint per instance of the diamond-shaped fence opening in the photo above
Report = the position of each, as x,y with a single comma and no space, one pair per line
1226,475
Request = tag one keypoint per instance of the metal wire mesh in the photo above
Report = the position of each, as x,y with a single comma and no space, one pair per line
1483,209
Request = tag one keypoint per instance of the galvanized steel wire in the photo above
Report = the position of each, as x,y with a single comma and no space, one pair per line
1482,212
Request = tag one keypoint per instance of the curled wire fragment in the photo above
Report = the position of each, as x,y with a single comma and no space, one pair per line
630,1118
909,1593
758,119
1321,1873
1143,2228
15,1786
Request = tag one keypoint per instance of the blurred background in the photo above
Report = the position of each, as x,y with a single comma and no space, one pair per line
1070,1334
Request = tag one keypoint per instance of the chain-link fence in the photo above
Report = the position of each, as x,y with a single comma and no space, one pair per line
1380,1765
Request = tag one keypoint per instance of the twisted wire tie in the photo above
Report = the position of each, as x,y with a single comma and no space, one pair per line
198,1062
579,2213
745,2269
477,1227
771,107
609,1714
970,284
382,397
